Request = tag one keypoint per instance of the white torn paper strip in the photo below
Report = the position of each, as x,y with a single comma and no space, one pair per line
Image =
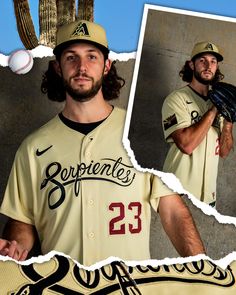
44,51
222,263
171,181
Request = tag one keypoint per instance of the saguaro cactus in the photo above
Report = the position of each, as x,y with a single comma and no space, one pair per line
86,10
65,11
47,22
25,25
52,14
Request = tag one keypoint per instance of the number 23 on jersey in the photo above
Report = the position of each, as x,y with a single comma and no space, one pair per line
127,219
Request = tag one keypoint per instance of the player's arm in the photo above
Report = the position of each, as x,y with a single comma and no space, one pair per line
178,223
187,139
19,239
226,139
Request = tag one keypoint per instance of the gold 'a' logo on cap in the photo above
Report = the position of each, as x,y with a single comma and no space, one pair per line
209,46
81,30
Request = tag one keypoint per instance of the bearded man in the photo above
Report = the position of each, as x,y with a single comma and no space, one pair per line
197,134
72,182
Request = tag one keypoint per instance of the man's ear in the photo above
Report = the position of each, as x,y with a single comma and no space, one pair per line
56,67
107,66
191,65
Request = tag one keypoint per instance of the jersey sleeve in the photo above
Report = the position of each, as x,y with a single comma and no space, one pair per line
159,189
175,114
18,198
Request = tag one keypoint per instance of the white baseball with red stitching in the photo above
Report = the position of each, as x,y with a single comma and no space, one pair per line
21,61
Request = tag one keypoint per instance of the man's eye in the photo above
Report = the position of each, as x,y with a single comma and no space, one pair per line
70,57
92,57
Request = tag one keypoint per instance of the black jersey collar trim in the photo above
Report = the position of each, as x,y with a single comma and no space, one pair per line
83,128
202,96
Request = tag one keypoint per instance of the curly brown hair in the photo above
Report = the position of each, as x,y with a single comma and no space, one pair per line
52,84
186,73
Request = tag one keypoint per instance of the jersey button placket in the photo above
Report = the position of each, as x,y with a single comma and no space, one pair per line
91,202
88,155
87,150
91,235
88,203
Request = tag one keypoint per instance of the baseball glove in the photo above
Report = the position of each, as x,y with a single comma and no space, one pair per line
223,96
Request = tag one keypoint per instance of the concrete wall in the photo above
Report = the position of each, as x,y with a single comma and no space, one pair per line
167,44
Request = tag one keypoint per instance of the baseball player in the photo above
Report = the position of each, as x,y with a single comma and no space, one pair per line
72,182
191,124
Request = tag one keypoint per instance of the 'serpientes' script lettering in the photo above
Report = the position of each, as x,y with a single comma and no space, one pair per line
59,177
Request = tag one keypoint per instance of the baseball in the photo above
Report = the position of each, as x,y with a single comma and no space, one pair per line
21,61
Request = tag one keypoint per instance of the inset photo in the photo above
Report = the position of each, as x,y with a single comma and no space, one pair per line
182,105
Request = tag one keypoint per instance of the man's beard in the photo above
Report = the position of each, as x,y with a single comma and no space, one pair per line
83,95
201,80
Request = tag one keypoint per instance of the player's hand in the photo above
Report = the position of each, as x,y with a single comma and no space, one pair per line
214,110
13,250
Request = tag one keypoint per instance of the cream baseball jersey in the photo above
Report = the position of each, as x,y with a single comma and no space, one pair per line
82,193
198,171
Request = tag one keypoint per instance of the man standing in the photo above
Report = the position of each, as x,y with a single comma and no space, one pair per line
72,181
191,124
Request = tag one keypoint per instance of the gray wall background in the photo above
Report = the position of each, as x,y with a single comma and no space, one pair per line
24,108
168,42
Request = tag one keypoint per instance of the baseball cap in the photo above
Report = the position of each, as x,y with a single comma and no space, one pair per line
206,47
81,30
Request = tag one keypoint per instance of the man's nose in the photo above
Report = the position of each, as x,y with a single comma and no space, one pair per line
207,64
81,65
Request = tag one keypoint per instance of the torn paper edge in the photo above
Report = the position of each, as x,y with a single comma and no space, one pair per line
169,179
223,263
44,51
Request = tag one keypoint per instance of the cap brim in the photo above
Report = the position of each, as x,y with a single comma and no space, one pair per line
61,47
217,55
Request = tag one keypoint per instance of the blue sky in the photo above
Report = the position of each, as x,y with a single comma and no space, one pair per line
121,18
